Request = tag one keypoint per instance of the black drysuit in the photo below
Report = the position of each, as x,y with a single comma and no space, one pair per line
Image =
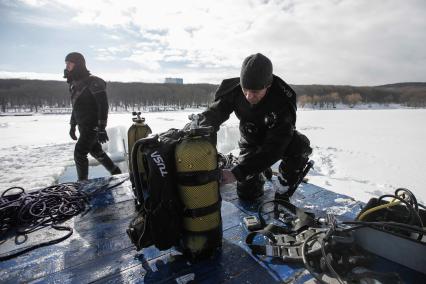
90,110
267,129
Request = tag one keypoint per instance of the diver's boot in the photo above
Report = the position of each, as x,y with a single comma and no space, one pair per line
284,192
82,174
82,166
116,171
106,161
291,175
251,189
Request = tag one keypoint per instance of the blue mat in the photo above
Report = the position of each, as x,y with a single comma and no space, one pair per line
100,251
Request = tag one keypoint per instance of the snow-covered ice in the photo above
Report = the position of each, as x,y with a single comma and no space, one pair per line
363,153
360,153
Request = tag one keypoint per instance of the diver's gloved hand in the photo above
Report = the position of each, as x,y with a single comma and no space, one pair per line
101,134
72,132
187,127
226,176
268,173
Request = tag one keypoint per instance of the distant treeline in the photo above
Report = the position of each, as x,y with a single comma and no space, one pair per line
36,94
325,96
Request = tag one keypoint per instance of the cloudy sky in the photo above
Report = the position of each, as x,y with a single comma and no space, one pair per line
357,42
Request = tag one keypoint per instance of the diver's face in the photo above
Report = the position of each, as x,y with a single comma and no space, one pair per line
254,96
69,65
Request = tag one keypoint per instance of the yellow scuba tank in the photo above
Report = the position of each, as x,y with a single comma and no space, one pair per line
198,186
137,131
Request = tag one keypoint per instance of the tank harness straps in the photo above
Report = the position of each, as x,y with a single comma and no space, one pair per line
197,177
271,232
200,212
287,247
211,234
284,241
305,219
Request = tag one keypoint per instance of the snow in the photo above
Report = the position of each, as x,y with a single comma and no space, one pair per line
367,153
360,153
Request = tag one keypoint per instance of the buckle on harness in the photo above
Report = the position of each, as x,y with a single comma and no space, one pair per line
273,251
282,240
287,253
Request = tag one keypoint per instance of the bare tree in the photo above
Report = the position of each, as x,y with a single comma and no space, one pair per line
304,100
352,99
334,98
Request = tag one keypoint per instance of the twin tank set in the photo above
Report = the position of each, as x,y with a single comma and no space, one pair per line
196,171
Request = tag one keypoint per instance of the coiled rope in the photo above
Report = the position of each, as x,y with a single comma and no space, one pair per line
23,213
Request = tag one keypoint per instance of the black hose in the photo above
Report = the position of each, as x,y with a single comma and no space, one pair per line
305,260
401,226
411,204
412,211
326,260
410,195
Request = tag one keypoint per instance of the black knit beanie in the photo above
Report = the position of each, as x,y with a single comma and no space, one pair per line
76,58
256,72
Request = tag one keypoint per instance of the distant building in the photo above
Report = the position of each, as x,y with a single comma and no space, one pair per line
174,81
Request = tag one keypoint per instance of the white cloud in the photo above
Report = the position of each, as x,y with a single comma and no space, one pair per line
175,58
318,41
34,3
30,75
149,59
111,53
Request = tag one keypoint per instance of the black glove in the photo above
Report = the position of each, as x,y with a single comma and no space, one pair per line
72,132
102,135
268,173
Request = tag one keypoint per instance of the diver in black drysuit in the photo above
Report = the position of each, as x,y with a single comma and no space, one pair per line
266,108
89,113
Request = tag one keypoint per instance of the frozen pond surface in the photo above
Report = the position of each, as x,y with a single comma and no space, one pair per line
360,153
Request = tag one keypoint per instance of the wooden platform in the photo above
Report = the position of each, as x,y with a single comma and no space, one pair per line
100,251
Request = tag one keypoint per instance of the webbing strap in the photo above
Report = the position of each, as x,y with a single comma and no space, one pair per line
199,212
197,178
287,253
305,219
284,246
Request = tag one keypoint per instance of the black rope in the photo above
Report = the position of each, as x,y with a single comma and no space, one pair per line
48,243
23,213
47,206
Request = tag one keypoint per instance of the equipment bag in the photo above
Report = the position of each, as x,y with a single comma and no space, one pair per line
159,222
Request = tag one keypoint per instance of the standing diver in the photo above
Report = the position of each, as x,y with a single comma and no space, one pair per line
89,113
